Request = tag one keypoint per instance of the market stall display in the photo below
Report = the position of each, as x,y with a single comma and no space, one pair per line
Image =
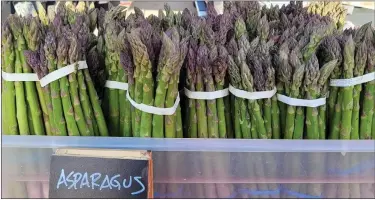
247,51
252,72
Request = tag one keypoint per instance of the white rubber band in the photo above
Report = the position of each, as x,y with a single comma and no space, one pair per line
252,95
206,95
301,102
55,75
19,76
353,81
116,85
152,109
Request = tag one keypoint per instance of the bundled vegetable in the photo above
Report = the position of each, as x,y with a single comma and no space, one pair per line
354,120
75,107
334,10
114,72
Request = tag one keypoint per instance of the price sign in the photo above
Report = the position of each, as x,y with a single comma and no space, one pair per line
101,174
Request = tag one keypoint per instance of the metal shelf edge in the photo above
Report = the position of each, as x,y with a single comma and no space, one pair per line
162,144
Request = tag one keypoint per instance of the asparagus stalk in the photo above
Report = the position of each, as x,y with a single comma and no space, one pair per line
172,92
42,70
285,75
32,29
81,29
168,61
22,119
131,88
179,131
9,119
94,98
144,70
191,79
235,79
259,80
299,122
299,69
367,124
201,104
312,91
31,92
275,118
112,70
138,86
220,68
62,60
127,64
359,68
347,92
212,118
74,49
50,50
122,77
246,111
94,63
329,50
148,97
122,106
85,102
323,113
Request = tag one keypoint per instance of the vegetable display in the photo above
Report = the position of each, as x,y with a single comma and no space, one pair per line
287,72
291,50
68,105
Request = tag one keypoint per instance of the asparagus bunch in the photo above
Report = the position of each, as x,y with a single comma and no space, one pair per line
114,111
72,102
29,114
334,10
346,121
93,114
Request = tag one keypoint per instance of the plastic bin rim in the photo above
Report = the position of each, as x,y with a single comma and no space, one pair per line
162,144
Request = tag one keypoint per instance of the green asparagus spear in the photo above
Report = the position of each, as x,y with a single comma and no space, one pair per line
168,61
172,92
112,61
21,107
235,80
62,60
330,49
73,86
9,119
220,68
201,104
33,32
359,68
212,118
98,113
50,50
297,78
367,115
191,80
312,92
347,92
138,85
127,64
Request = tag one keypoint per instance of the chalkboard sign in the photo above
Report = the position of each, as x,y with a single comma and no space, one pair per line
73,175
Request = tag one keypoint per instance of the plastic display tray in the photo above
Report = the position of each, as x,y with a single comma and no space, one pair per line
211,168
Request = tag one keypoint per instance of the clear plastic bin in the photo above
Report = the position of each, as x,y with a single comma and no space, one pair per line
198,168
